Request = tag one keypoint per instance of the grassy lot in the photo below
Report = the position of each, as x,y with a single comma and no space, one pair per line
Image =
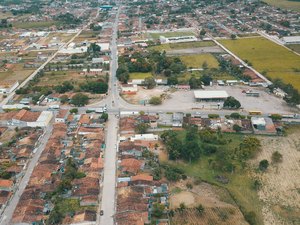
285,4
29,25
183,45
295,47
171,34
57,77
267,56
197,74
5,15
196,61
240,182
17,72
140,75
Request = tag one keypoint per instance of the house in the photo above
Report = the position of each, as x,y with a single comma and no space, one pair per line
6,185
146,137
131,166
7,87
87,217
129,89
61,116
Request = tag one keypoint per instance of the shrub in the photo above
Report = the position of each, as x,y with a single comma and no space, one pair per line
155,100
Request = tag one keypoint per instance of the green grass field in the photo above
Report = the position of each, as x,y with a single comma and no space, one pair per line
139,75
285,4
196,61
183,45
267,56
29,25
171,34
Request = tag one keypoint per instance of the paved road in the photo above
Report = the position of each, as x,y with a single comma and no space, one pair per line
9,210
110,155
109,181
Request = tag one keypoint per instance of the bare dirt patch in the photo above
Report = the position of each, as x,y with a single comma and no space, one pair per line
281,182
218,206
145,94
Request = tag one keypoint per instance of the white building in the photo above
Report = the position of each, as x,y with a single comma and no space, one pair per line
7,87
210,95
165,40
43,120
291,40
144,137
129,88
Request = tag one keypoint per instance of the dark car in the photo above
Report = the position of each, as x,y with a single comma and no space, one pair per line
101,213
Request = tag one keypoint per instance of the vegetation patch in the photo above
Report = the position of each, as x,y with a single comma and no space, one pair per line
196,61
275,61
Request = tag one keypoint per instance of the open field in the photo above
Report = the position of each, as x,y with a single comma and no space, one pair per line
86,35
196,61
5,15
183,45
281,182
139,75
63,37
219,207
57,77
16,72
295,47
285,4
29,25
171,34
240,182
267,56
219,76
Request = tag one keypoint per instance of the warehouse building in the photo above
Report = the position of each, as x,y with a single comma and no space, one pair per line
210,96
291,40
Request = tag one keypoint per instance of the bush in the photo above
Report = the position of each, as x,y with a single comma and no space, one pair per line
74,110
276,157
263,165
213,116
250,217
79,99
155,101
189,186
276,117
236,128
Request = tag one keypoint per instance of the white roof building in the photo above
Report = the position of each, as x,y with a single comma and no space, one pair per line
144,137
291,40
210,95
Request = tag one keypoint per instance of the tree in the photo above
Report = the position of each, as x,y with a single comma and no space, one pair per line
200,209
172,80
79,100
233,36
276,117
104,116
155,100
248,148
158,210
263,165
194,83
64,99
206,79
149,82
202,33
182,207
236,128
231,103
276,157
141,128
74,110
96,87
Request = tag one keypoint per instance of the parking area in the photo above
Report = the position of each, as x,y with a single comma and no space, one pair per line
267,103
